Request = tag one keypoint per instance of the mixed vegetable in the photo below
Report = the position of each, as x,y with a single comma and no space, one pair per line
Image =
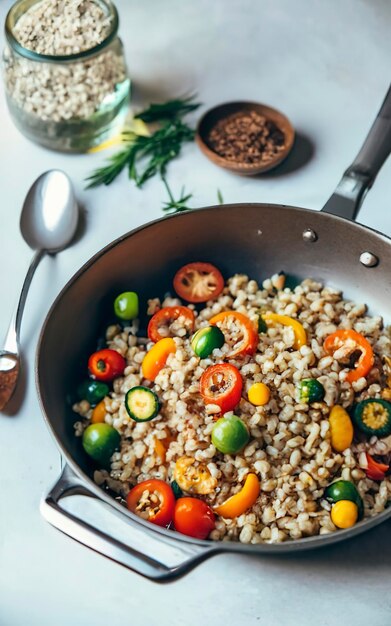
228,335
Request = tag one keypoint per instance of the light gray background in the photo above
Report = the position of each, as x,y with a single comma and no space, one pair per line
326,65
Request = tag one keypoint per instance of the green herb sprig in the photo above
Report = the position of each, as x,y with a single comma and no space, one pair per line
176,206
146,156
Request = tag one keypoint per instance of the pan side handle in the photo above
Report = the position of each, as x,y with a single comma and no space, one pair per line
360,176
174,557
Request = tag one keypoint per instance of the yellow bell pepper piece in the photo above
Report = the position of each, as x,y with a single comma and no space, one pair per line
99,413
240,502
259,394
157,356
341,429
344,514
285,320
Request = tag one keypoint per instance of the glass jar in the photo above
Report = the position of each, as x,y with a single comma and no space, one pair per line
72,102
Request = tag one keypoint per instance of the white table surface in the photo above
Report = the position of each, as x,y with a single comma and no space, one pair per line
326,65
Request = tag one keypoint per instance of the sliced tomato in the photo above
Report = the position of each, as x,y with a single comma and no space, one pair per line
222,384
198,282
153,500
375,470
165,317
194,518
247,338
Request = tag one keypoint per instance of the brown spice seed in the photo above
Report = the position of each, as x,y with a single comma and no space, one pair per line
246,137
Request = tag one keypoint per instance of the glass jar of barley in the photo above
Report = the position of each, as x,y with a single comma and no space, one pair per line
65,74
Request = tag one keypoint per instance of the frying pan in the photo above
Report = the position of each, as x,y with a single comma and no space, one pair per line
256,239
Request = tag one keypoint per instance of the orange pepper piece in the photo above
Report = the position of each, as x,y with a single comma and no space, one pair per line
285,320
156,358
366,360
240,502
160,450
99,412
249,343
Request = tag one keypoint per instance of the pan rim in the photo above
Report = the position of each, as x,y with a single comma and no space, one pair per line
314,541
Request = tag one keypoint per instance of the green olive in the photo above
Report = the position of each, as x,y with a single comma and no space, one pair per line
205,340
100,441
344,490
230,434
310,390
93,391
126,305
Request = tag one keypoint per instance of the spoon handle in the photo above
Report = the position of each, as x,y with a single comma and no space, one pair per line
9,356
11,343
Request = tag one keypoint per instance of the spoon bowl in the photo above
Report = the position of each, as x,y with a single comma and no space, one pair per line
48,224
50,214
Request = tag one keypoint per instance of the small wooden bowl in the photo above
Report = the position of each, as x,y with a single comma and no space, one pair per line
211,117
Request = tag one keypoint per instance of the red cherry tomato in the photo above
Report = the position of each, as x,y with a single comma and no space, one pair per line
106,364
222,384
198,282
165,316
193,517
248,335
153,500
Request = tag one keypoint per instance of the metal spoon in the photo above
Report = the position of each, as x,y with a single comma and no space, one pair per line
48,224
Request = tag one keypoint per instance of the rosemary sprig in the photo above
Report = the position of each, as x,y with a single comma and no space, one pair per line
173,109
145,156
176,206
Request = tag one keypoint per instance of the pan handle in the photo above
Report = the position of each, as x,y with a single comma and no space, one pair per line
360,176
180,557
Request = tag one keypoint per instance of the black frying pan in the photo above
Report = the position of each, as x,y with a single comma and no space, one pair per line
257,239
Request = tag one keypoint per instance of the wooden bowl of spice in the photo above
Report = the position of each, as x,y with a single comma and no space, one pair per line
245,137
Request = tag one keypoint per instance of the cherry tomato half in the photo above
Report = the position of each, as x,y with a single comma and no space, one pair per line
153,500
248,336
193,517
221,384
198,282
106,364
166,316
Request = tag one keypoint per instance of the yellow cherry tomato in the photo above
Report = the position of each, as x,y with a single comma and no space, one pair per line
259,394
344,514
157,356
341,429
99,412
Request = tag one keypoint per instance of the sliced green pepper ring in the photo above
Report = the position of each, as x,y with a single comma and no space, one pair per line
373,417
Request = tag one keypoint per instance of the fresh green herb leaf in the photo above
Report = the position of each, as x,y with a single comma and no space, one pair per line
176,206
173,109
146,156
220,197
